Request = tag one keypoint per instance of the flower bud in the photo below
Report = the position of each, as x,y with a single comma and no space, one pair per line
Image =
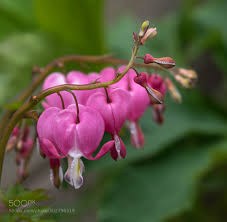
151,33
141,79
165,62
144,28
155,96
148,59
185,82
175,94
188,73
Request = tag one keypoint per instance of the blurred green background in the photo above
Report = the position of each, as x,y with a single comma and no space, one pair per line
181,174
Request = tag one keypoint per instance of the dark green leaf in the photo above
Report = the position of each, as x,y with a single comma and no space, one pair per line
158,188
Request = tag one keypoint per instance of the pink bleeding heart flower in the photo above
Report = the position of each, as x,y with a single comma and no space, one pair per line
54,100
73,77
139,103
114,111
13,138
23,156
107,74
13,141
157,83
79,78
24,149
60,135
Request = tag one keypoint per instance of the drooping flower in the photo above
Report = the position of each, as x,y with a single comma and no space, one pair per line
60,135
22,158
24,145
114,108
156,82
54,100
13,138
142,79
139,103
79,78
73,77
56,173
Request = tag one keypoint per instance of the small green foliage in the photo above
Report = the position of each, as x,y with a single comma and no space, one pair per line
23,205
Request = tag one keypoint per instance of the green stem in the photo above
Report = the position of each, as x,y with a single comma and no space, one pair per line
19,114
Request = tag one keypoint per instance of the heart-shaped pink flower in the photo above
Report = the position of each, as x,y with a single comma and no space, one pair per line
54,100
139,103
60,135
73,77
114,112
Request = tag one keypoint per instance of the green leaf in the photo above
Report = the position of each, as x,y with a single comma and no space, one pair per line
210,199
157,188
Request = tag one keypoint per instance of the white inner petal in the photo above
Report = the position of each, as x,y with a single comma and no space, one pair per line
75,151
74,172
134,133
117,145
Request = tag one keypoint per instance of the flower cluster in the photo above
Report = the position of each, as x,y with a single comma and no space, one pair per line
72,129
24,145
79,108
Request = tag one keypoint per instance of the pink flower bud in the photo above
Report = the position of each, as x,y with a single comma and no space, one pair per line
165,62
156,82
148,59
141,79
151,33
